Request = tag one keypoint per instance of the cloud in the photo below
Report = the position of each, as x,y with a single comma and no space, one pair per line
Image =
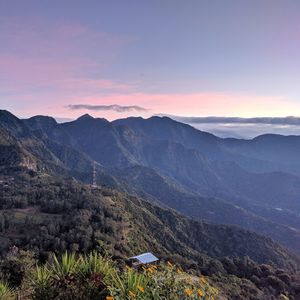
113,107
290,120
63,120
245,128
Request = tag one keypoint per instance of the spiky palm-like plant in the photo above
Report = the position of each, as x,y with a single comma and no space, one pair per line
96,272
6,293
94,263
42,283
68,266
128,285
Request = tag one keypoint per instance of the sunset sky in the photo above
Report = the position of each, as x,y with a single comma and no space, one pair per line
138,57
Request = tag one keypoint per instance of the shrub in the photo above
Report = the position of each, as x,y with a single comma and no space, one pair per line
71,278
6,293
165,281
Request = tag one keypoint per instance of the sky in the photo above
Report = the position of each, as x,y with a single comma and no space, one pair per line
119,58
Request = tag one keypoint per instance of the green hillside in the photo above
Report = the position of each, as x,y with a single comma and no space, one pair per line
45,214
45,210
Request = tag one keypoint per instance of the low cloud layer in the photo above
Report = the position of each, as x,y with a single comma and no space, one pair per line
247,128
113,107
234,120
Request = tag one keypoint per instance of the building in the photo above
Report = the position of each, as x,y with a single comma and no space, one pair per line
143,259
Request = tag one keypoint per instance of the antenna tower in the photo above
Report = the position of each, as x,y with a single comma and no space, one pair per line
94,175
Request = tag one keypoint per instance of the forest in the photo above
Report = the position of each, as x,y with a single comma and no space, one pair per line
46,216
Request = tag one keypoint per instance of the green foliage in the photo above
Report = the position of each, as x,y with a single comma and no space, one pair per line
94,263
71,277
6,293
95,277
164,281
67,267
56,216
41,281
17,269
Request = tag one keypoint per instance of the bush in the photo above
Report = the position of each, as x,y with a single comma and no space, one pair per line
6,293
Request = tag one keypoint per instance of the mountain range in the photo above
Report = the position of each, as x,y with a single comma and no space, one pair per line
250,183
163,186
253,184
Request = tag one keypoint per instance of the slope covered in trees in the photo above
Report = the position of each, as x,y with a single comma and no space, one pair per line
43,208
47,215
172,163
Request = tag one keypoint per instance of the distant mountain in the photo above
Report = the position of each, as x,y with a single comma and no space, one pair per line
12,124
174,164
262,154
277,152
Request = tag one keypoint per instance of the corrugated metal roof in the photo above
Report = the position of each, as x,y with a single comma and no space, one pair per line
145,258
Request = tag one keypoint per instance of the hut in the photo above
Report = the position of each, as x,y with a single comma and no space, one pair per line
143,259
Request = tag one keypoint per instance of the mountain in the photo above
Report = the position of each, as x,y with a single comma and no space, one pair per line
48,214
190,170
59,215
12,124
65,209
46,205
268,152
279,153
172,164
45,128
12,153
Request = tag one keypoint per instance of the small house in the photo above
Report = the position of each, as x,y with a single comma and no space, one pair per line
143,259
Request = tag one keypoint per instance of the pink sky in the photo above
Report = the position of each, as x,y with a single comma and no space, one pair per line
48,63
198,104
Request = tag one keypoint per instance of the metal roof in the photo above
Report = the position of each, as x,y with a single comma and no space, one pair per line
145,258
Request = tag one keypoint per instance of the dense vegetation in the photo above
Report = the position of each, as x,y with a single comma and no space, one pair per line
45,210
50,215
163,161
245,183
95,277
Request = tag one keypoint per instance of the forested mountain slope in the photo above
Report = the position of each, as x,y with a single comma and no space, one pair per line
192,171
44,208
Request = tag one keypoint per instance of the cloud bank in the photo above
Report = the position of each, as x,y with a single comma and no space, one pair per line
246,128
290,120
112,107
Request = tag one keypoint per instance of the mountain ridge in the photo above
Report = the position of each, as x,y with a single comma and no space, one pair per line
182,177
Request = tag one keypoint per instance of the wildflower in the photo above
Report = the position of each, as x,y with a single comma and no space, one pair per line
188,292
200,293
109,298
141,289
150,270
203,280
178,271
169,264
131,294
